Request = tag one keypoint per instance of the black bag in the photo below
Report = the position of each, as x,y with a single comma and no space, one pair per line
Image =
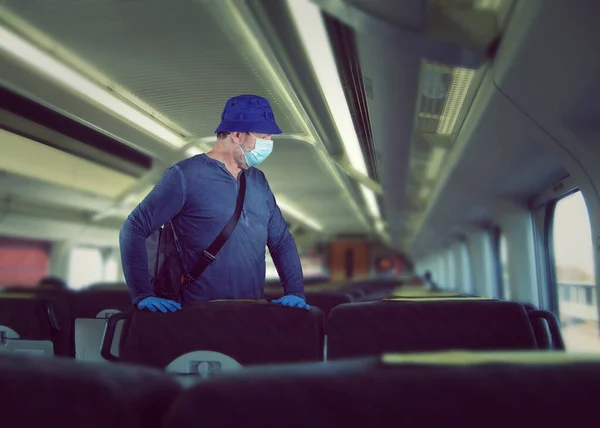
168,276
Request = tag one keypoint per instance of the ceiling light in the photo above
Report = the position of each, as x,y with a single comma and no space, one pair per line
205,141
257,43
31,159
487,4
301,217
317,45
124,206
381,228
193,151
371,200
311,27
137,197
45,63
461,79
305,138
131,200
435,163
335,173
424,192
254,41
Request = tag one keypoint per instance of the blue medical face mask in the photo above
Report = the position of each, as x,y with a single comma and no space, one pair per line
260,152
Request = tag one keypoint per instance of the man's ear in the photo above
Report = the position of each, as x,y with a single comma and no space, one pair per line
237,137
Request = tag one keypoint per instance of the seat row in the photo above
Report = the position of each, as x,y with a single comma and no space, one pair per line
72,323
519,389
54,316
259,332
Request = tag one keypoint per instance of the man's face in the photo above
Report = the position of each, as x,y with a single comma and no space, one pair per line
246,139
247,142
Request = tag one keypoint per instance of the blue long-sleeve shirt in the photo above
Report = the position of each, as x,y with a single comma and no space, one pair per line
199,194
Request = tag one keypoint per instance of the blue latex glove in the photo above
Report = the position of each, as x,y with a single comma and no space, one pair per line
292,302
153,303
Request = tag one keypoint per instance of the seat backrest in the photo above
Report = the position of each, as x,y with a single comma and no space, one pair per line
372,286
89,308
89,303
108,286
249,332
375,295
546,328
327,300
25,314
40,315
371,393
324,300
411,325
17,289
41,391
57,303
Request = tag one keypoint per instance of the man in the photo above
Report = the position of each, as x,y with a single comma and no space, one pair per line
199,196
428,279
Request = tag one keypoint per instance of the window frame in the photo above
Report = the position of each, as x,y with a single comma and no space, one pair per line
551,289
543,208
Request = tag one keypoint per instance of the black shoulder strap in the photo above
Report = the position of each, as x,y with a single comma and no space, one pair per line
208,256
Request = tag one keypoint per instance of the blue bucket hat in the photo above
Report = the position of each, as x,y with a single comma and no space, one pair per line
248,113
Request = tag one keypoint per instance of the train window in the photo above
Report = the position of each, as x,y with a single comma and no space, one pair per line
111,267
575,274
85,267
505,277
313,266
22,262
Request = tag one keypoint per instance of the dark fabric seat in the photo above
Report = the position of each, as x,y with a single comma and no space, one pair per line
25,314
363,329
88,303
356,293
251,332
56,392
17,289
546,328
35,317
324,300
372,394
376,294
58,308
108,286
372,288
